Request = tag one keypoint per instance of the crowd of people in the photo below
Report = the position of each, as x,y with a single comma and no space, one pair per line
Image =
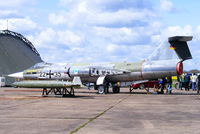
163,83
189,81
186,81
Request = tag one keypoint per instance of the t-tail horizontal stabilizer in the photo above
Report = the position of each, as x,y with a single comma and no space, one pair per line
179,44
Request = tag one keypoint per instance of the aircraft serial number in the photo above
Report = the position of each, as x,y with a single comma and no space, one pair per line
55,74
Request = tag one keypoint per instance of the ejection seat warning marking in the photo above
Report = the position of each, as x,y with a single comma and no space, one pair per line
97,116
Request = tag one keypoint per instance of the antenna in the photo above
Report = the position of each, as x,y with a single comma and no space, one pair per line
7,24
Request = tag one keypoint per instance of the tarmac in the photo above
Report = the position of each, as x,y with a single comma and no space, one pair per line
25,111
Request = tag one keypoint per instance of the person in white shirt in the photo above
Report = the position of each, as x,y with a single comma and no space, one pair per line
194,79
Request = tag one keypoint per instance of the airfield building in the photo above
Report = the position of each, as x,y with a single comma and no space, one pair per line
21,51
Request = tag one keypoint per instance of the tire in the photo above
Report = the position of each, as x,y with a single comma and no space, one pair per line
101,89
116,89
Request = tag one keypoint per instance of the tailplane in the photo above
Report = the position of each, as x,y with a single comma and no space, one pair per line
179,44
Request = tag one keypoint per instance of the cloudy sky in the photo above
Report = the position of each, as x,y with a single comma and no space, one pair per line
102,30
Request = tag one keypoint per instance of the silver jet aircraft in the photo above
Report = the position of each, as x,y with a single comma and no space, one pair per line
104,75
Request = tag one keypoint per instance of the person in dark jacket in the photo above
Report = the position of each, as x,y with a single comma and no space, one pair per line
198,84
163,83
169,85
187,82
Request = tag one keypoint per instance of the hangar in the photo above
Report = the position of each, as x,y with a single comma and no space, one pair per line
24,54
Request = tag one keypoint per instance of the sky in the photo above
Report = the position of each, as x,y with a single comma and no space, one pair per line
102,30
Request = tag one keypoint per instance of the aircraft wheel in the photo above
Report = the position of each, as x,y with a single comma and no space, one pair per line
101,89
116,89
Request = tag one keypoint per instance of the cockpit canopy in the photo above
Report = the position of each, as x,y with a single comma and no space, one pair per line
41,65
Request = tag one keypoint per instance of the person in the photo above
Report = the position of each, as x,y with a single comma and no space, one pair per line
187,82
169,85
198,84
194,79
181,81
163,83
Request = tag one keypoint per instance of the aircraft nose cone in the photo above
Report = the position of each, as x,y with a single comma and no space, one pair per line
17,75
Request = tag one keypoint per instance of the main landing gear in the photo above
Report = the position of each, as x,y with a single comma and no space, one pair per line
116,89
104,89
102,86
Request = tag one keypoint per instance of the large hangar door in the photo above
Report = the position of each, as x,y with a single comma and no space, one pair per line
16,54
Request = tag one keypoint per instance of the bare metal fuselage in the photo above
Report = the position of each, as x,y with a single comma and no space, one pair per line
114,72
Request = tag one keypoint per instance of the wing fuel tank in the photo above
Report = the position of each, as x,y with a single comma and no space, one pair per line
45,84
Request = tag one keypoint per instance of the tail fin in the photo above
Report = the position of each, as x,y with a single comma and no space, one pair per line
179,43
